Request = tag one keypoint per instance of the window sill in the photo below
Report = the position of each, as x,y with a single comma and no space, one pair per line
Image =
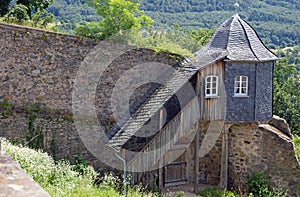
241,96
210,97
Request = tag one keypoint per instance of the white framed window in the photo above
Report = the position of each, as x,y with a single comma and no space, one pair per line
241,86
211,86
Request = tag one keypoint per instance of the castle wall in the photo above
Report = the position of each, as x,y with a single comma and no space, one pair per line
37,74
262,148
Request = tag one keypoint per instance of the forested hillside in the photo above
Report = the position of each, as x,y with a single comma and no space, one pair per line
277,21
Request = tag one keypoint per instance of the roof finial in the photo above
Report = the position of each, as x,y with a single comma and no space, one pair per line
236,5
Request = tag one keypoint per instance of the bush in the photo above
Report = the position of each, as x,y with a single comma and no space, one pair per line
18,12
259,186
63,179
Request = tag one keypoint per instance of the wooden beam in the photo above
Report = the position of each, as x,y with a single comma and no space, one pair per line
197,153
224,159
198,83
160,174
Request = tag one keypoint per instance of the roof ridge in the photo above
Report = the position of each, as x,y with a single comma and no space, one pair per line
247,37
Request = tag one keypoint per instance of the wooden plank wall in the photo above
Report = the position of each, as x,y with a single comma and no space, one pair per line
167,139
212,108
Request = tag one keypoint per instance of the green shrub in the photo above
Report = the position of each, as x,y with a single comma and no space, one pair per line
259,186
63,179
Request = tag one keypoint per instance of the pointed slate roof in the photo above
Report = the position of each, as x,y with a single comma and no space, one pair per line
241,42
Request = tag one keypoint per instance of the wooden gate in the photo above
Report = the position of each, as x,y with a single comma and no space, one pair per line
175,172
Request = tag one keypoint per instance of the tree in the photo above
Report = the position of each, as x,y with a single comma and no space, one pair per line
287,93
4,7
117,16
18,12
35,6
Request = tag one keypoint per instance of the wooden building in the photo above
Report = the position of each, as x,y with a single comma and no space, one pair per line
229,81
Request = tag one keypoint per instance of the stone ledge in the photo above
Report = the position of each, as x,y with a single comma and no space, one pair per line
15,182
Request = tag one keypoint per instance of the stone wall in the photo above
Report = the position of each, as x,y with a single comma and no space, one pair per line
37,73
38,67
14,180
263,148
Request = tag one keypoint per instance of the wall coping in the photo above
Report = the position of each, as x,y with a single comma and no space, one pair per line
15,182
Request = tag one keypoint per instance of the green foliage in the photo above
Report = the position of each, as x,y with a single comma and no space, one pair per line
117,16
35,139
70,14
214,192
34,6
173,41
19,12
180,194
6,109
80,164
297,144
60,178
28,12
286,89
275,21
202,35
259,186
4,7
258,183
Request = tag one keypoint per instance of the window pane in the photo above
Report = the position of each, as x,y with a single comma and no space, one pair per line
208,79
244,84
243,91
208,85
237,90
207,91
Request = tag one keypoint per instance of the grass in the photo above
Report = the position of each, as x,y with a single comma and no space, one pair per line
60,179
214,192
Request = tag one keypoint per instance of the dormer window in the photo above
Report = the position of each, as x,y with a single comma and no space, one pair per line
241,86
211,86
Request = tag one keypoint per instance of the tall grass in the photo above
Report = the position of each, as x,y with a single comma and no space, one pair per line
60,179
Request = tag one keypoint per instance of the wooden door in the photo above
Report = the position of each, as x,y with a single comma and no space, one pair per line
175,172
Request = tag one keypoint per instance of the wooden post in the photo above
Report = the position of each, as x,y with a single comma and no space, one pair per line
198,84
160,174
197,149
224,160
197,138
161,157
